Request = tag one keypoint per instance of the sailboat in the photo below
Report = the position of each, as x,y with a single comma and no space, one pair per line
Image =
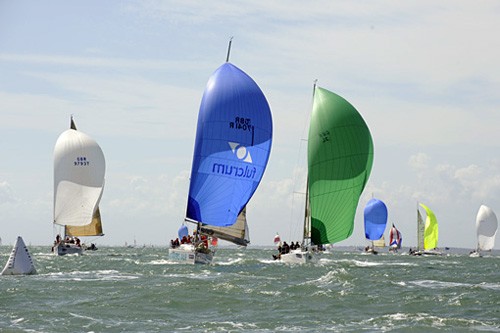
20,262
395,239
79,168
486,230
340,158
427,233
232,147
375,214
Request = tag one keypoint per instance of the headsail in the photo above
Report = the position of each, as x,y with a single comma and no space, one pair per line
340,157
375,219
431,229
232,147
79,168
486,228
236,233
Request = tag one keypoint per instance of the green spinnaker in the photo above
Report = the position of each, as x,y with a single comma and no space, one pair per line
340,158
431,229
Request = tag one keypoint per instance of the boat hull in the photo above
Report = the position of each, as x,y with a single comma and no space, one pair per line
62,249
475,254
189,255
297,257
427,253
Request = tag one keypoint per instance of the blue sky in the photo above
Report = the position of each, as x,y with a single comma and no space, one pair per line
424,75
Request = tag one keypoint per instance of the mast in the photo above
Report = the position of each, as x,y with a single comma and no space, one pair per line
307,220
307,209
72,124
229,49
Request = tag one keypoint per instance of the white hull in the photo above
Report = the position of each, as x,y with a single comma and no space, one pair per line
187,254
67,248
296,257
475,254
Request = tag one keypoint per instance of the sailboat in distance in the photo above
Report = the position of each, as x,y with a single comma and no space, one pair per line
486,230
232,147
79,168
340,158
375,215
395,239
427,233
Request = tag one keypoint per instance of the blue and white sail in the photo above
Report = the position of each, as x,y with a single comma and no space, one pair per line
375,219
232,147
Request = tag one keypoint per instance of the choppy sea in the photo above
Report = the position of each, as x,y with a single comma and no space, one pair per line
118,289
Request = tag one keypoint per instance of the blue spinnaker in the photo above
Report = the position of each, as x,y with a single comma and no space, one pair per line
232,147
375,219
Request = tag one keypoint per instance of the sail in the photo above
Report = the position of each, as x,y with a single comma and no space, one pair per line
379,242
375,219
486,228
20,261
431,229
420,231
94,228
277,239
340,157
232,147
236,233
79,168
395,238
183,231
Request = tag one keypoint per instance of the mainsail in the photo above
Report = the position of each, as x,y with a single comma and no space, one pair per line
379,242
94,228
486,228
420,231
340,158
430,232
375,219
79,168
232,147
237,233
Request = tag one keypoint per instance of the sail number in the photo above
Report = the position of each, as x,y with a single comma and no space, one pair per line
241,123
81,161
325,136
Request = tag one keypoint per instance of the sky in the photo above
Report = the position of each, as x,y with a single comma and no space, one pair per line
424,75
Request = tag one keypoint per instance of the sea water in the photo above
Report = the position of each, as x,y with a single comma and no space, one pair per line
118,289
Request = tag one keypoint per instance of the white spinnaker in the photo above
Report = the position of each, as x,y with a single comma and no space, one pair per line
79,168
486,228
